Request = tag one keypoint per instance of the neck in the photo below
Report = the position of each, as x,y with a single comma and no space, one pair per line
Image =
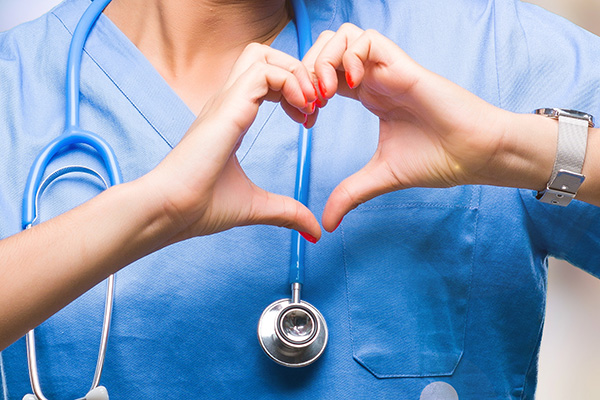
195,43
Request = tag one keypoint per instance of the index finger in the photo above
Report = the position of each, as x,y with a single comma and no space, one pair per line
311,56
258,53
329,61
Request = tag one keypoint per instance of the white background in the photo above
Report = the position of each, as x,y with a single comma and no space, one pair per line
570,356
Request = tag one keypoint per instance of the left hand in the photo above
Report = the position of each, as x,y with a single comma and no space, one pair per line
430,128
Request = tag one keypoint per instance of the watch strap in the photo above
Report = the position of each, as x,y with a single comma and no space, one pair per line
572,144
566,175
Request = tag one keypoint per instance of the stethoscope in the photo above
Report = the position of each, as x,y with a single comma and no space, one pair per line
292,332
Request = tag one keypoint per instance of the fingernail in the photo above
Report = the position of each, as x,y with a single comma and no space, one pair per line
308,237
349,80
305,100
315,88
319,103
312,106
339,223
322,90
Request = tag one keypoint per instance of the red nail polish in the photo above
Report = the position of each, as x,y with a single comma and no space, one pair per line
339,223
312,106
319,103
349,80
308,237
322,90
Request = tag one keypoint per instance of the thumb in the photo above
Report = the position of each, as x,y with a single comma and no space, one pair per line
371,181
273,209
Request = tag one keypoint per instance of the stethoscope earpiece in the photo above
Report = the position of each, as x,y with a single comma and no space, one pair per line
99,393
292,332
73,135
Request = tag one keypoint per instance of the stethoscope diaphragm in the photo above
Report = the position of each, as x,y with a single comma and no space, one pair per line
293,334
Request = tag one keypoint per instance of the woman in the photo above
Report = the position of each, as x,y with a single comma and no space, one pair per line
418,286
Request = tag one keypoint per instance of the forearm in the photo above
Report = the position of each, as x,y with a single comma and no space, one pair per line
526,156
46,267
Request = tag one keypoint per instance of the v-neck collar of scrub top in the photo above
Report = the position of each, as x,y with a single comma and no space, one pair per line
154,99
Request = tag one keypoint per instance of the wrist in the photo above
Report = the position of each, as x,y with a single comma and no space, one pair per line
526,153
163,214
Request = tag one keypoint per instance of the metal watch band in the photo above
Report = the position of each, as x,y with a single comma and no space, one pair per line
566,175
572,144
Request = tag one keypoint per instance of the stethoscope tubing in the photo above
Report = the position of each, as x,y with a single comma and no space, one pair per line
72,136
108,304
279,344
301,189
82,31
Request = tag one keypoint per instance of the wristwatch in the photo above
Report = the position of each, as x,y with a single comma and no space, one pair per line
566,178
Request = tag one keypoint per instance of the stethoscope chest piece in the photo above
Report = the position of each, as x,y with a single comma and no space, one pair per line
293,334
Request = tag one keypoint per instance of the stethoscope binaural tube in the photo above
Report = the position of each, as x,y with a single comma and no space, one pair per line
292,332
96,392
34,188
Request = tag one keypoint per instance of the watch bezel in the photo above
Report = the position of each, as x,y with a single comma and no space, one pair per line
558,112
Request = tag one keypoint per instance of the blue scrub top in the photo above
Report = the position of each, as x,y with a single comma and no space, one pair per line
417,286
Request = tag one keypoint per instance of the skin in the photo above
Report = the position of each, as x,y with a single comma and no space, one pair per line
185,39
198,189
432,134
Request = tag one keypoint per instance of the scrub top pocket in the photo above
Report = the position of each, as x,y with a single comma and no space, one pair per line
408,268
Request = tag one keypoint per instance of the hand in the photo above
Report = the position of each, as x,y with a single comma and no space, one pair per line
206,190
430,129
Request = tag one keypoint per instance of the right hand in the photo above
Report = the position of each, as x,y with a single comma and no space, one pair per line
198,189
205,189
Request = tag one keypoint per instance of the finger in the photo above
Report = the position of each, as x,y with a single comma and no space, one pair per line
309,61
293,112
371,181
311,55
330,59
258,53
231,113
275,84
273,209
359,52
311,119
383,57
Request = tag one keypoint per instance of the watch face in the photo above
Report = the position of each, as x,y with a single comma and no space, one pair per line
557,112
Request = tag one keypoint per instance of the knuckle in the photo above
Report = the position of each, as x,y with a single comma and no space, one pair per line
346,26
254,49
288,215
326,34
258,68
294,215
370,33
353,199
295,67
